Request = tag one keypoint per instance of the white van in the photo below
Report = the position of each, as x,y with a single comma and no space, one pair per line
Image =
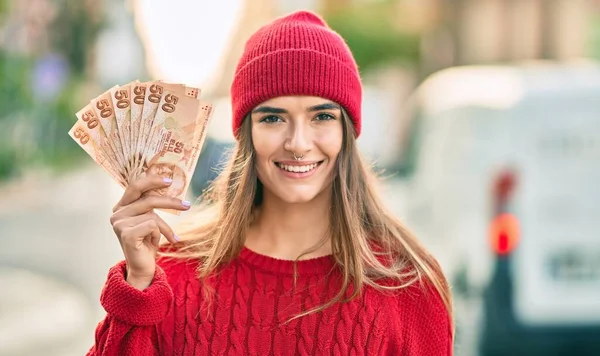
503,165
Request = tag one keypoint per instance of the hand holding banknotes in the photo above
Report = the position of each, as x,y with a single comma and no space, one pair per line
147,136
138,227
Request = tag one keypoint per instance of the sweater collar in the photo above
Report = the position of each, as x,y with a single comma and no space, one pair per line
313,266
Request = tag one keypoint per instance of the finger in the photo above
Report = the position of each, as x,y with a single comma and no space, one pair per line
163,227
120,223
136,189
131,235
152,202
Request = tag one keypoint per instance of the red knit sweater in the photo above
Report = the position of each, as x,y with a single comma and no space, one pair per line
255,296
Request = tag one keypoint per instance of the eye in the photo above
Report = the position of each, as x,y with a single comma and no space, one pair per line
324,117
270,119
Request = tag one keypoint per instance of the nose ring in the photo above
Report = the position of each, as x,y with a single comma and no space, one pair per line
296,157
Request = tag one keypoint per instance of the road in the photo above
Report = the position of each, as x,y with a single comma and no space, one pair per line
56,231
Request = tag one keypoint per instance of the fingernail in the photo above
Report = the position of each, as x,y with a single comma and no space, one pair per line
176,238
167,180
186,203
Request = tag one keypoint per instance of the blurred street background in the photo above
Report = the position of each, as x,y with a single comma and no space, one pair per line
483,116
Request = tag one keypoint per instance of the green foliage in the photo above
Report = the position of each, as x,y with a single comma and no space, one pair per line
57,148
370,33
15,92
15,97
594,39
7,163
75,33
35,131
3,7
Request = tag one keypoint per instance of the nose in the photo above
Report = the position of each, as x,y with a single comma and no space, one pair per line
300,140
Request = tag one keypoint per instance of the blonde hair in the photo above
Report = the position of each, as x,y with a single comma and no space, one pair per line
369,245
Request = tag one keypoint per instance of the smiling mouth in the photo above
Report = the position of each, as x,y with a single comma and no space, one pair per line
298,168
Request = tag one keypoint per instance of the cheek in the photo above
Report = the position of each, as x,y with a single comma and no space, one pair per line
330,143
266,145
263,152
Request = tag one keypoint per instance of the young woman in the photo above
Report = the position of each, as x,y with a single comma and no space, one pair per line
295,254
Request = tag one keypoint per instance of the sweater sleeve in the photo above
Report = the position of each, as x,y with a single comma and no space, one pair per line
129,327
422,325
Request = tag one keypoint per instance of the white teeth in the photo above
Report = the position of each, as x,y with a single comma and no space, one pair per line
298,169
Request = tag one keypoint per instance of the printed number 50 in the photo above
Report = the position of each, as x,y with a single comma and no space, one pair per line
170,102
81,135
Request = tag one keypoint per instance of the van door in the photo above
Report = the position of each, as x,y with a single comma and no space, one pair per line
556,269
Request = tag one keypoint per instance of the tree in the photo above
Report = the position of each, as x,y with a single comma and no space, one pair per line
369,31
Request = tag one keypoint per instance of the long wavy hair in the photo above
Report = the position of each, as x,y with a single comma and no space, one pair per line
370,246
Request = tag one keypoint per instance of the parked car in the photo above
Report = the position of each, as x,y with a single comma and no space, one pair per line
503,169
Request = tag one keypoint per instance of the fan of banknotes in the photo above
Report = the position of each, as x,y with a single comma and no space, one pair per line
145,127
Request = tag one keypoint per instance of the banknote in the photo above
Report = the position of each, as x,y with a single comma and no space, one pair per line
174,151
202,122
89,135
153,95
192,92
145,128
177,91
121,100
138,93
105,112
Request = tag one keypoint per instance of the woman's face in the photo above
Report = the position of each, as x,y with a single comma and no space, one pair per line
310,127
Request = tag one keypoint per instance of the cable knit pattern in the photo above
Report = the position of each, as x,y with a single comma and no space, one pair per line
255,298
133,306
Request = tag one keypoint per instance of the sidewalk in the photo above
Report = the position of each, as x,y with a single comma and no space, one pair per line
57,246
41,313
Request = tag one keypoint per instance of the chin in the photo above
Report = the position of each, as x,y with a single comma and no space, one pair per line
298,199
298,195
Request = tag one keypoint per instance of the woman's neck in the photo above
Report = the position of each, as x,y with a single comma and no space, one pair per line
287,231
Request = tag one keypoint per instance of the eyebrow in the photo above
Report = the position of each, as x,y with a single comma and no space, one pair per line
273,110
326,106
269,110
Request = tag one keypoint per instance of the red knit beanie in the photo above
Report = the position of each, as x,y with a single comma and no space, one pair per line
297,54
